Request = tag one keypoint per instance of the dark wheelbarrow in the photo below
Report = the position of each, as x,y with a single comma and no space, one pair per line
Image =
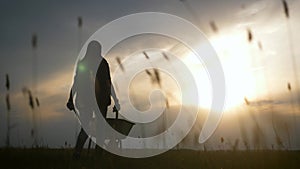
121,125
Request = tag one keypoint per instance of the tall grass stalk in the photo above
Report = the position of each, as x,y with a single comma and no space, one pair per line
79,39
287,15
8,108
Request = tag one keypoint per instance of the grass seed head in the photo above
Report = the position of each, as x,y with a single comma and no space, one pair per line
289,87
250,36
213,26
165,55
286,9
120,64
7,84
34,41
146,55
79,20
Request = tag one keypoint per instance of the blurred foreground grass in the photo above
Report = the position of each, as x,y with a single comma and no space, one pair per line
175,159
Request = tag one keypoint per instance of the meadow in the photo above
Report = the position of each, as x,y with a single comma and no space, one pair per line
177,159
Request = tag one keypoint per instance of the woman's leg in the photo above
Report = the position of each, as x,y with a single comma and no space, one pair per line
81,139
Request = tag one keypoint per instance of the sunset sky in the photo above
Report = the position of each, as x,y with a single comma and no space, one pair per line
260,75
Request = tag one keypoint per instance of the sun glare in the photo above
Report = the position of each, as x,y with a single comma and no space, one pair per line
235,56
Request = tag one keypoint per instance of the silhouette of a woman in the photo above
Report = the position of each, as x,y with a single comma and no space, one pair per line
86,86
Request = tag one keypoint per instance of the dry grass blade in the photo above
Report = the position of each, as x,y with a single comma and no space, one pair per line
152,77
148,72
79,19
7,83
286,9
246,101
289,87
8,120
31,103
25,91
146,55
120,64
7,102
157,76
165,55
34,41
37,102
213,26
250,36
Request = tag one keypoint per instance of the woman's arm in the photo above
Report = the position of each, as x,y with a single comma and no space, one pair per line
114,96
70,104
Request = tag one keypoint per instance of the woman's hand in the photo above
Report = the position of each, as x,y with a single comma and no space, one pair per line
70,105
117,105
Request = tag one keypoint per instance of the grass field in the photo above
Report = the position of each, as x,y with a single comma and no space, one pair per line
175,159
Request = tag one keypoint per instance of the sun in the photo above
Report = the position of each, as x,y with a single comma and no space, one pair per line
235,56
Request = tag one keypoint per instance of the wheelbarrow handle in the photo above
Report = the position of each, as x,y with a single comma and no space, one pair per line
116,111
